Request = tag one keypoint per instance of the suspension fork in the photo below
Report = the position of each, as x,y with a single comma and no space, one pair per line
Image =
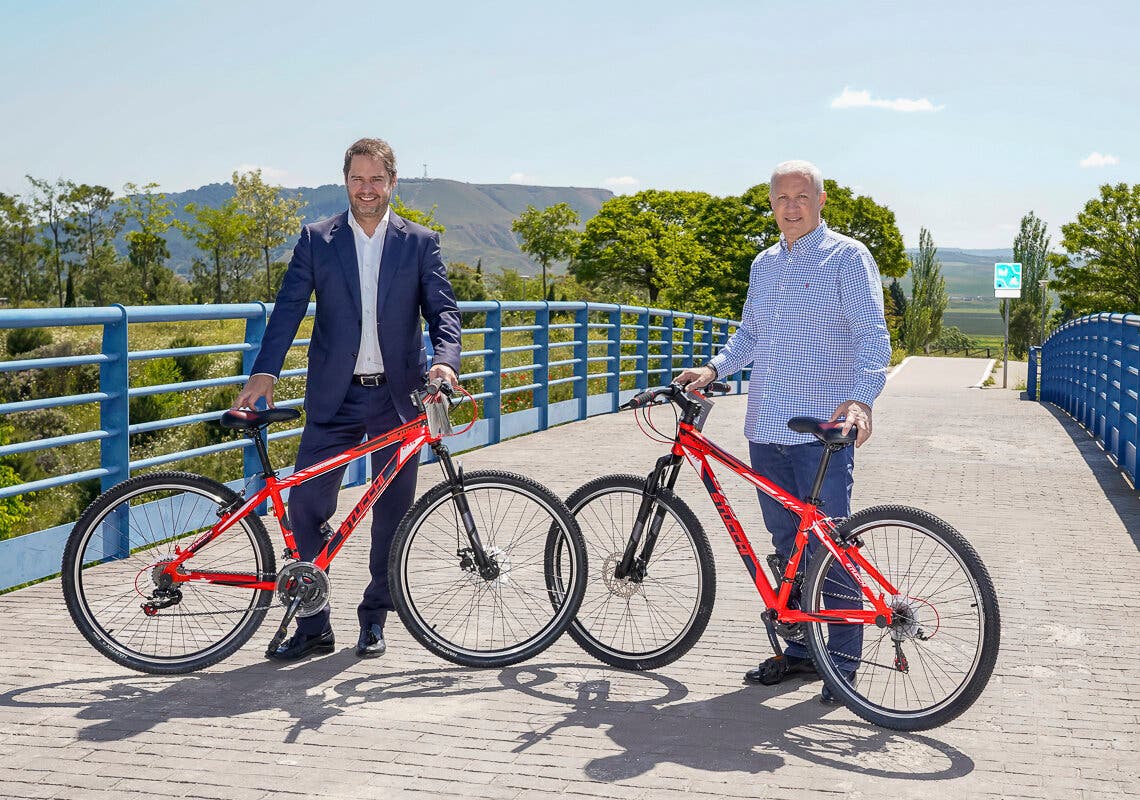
488,569
664,474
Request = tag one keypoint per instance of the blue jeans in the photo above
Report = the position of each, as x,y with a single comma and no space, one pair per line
792,467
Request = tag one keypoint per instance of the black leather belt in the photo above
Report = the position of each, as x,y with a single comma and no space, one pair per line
377,379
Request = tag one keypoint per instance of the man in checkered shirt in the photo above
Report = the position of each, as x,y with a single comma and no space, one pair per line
813,331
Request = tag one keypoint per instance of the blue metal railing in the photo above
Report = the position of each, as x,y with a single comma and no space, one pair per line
1090,368
532,365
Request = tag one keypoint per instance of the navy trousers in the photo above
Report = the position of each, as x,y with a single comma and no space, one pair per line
793,469
367,410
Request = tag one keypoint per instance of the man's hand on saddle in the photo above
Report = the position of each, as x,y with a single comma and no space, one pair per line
258,387
855,414
696,378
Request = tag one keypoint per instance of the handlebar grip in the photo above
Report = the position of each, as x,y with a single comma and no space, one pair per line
718,387
639,400
437,385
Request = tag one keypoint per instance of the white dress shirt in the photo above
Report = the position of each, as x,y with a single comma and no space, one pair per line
368,252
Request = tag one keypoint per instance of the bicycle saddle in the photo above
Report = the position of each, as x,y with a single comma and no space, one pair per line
243,419
826,432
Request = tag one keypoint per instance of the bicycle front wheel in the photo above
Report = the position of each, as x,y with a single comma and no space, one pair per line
505,615
934,659
652,620
113,563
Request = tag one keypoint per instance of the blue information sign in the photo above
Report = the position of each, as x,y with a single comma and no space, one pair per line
1007,280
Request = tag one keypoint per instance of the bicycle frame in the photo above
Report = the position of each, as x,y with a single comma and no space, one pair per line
412,436
692,445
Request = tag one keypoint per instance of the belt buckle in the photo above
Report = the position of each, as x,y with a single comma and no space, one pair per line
371,380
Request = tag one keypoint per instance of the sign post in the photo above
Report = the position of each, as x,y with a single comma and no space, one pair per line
1007,286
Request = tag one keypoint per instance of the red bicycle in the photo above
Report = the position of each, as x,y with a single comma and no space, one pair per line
927,614
171,572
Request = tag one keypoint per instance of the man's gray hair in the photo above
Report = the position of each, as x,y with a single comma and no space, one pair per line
805,168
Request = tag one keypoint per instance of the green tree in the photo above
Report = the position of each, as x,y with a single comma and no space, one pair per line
22,253
647,242
874,225
50,206
1031,250
898,303
150,213
91,226
13,510
466,281
928,299
952,339
1105,243
425,218
548,235
274,216
223,234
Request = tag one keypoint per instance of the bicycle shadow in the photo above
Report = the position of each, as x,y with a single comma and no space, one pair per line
738,731
124,708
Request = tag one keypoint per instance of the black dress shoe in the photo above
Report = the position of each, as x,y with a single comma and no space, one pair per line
776,668
371,642
828,698
300,645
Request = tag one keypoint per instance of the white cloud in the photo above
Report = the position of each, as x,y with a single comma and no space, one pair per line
851,98
1095,159
625,184
521,177
267,173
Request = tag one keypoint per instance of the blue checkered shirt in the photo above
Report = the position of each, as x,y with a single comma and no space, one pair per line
813,331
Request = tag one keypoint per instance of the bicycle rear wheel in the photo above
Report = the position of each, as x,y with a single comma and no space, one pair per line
112,565
647,623
931,663
456,612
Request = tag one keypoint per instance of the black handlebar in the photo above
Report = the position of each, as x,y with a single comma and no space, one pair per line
671,392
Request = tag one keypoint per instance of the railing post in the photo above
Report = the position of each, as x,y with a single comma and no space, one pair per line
1031,378
115,419
613,360
1130,394
115,410
492,363
541,340
667,345
643,346
581,360
690,341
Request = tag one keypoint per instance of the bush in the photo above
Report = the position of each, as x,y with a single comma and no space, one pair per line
24,340
192,368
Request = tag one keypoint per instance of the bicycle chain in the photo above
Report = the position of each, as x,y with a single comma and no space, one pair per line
260,576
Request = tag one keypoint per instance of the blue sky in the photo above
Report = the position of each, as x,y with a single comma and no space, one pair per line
959,116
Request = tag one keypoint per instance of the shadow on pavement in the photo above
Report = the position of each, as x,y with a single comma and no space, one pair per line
645,714
737,731
125,707
1110,477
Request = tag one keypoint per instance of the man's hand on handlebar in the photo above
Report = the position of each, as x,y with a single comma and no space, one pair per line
696,378
446,376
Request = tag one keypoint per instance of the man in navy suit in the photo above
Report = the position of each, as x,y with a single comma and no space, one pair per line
374,274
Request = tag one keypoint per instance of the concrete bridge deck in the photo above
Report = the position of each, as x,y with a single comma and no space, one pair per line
1054,521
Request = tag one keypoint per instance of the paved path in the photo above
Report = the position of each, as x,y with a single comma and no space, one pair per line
1053,520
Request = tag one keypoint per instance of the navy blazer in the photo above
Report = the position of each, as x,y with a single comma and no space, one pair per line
412,281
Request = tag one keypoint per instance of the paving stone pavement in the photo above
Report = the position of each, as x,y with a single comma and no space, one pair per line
1051,517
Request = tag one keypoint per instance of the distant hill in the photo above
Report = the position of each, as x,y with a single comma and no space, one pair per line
477,216
969,273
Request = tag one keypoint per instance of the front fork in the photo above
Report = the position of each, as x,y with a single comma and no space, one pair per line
633,566
486,566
